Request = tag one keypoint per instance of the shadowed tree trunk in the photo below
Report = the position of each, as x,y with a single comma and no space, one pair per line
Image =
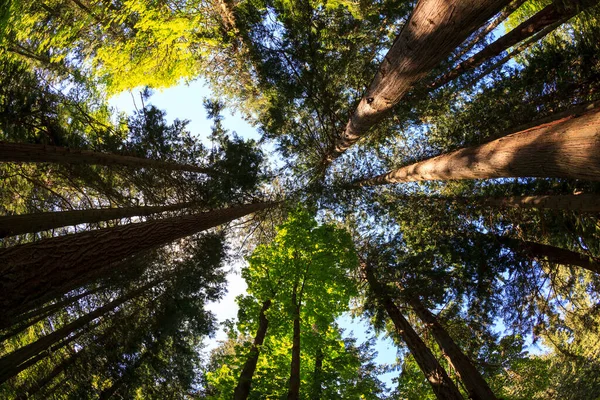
30,271
555,12
12,363
29,223
550,253
24,152
242,390
442,385
434,30
318,375
294,388
476,386
567,148
582,203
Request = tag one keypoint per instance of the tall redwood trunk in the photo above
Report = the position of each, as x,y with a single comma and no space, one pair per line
550,253
442,385
294,388
476,386
550,15
24,152
588,203
11,364
242,390
567,148
25,393
30,270
434,30
29,223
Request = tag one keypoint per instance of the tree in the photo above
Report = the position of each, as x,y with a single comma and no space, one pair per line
565,148
60,261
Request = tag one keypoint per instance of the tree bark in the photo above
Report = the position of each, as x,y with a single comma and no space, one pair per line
582,203
567,148
242,390
30,271
11,364
29,223
442,385
318,375
435,28
476,386
24,152
554,12
294,388
550,253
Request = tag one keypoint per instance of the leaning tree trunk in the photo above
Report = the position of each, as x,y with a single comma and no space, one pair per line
555,12
567,148
434,30
24,152
442,385
12,363
550,253
294,388
581,203
30,223
29,271
476,386
242,390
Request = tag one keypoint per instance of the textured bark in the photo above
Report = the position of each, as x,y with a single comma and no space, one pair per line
242,390
567,148
476,386
24,152
555,12
550,253
294,388
29,223
29,271
434,30
582,203
442,385
12,363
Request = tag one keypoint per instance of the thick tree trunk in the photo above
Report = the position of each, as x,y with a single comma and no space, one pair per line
551,14
294,388
567,148
581,203
29,271
442,385
476,386
24,152
242,390
434,30
29,223
11,364
550,253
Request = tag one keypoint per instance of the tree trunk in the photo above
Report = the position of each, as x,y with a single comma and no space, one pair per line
29,271
442,385
434,30
506,12
551,14
11,364
476,386
318,375
294,388
550,253
24,152
581,203
567,148
29,223
242,390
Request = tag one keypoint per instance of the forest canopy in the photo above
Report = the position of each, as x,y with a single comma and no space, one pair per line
429,168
